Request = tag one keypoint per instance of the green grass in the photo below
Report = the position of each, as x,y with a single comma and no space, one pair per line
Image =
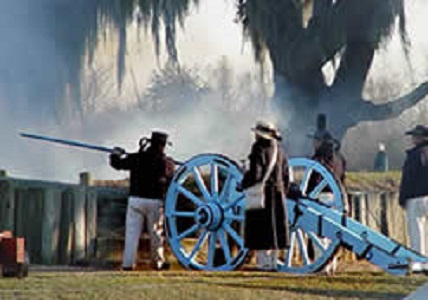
178,285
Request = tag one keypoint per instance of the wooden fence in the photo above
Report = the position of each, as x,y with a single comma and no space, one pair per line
380,210
58,220
73,223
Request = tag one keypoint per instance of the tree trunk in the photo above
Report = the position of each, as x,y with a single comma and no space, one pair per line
354,67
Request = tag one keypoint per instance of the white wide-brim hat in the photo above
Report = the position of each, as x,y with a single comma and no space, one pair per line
266,130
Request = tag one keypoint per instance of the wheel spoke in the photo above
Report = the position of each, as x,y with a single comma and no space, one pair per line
291,174
199,180
302,247
233,217
188,231
305,179
234,235
224,244
317,241
214,180
198,245
290,252
226,187
183,214
318,188
235,202
189,195
211,248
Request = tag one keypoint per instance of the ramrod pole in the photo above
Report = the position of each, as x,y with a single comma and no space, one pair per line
66,142
73,143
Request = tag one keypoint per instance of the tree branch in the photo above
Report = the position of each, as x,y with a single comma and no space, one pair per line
377,112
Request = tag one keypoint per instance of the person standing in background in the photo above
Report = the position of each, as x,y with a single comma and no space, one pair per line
414,188
381,163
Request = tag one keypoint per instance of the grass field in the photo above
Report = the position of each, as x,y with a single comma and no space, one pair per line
178,285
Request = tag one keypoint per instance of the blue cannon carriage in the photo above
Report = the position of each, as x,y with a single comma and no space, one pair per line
205,217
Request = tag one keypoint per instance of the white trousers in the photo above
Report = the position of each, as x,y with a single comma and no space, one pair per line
417,223
138,210
266,260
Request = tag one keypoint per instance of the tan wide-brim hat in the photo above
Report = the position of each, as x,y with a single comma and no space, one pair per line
267,130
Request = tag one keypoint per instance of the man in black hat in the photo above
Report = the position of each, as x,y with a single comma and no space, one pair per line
414,189
150,173
327,152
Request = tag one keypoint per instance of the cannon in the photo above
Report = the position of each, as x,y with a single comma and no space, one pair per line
216,212
205,217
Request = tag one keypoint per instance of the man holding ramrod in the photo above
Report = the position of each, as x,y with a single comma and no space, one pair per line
150,173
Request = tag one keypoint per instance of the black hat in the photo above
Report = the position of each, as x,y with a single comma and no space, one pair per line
322,135
160,137
419,130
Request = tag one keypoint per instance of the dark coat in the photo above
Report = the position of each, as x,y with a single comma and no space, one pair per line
263,225
150,172
414,177
334,161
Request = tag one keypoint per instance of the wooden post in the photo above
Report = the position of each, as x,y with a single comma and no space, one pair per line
65,235
86,179
7,204
396,219
50,226
91,222
374,211
79,219
30,199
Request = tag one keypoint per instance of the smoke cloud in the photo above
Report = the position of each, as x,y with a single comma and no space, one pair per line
32,99
32,77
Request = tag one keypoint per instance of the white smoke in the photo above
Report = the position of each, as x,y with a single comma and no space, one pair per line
111,118
31,64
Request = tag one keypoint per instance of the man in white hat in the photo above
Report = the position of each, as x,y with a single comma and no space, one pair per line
414,189
266,229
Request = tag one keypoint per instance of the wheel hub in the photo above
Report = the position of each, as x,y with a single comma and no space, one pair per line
209,216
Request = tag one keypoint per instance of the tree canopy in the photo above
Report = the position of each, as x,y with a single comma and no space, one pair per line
299,37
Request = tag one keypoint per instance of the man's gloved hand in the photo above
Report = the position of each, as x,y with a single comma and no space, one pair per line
118,151
294,192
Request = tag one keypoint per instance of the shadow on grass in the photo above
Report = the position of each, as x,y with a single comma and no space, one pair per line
391,280
355,294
